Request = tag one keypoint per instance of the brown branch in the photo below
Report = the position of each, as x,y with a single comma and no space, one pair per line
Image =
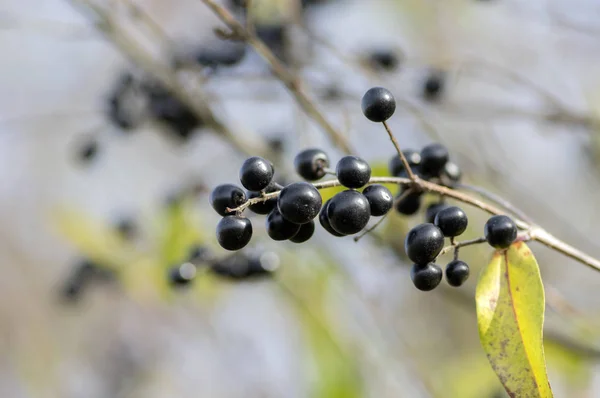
291,82
457,245
405,163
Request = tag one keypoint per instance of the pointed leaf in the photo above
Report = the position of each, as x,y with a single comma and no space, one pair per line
510,314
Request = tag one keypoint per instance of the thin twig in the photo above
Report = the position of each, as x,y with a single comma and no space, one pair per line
292,83
105,23
370,229
458,245
533,231
409,171
496,199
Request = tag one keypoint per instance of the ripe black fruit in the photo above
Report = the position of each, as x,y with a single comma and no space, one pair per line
182,275
380,199
88,151
180,119
305,233
348,212
241,266
452,221
378,104
199,254
500,231
423,243
226,195
324,220
279,228
433,86
299,202
215,57
457,272
426,277
256,173
433,159
384,60
266,206
234,232
433,210
310,164
452,172
409,204
397,167
353,172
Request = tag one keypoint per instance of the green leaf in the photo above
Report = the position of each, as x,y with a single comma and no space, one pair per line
510,314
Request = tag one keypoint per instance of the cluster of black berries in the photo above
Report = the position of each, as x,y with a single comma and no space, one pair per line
424,243
240,266
293,208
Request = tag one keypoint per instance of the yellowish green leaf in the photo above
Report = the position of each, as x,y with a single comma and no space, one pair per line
510,315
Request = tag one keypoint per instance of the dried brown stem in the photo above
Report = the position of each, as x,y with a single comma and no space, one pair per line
457,245
291,82
409,171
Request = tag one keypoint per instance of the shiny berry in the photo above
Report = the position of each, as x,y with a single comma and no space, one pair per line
353,172
348,212
266,206
452,221
234,232
423,243
278,228
397,167
182,275
256,173
305,233
310,164
226,196
457,272
384,60
409,204
452,172
433,159
426,277
299,202
433,210
324,221
378,104
433,86
380,199
500,231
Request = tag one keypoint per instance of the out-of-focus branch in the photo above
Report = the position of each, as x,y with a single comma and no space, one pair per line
291,82
105,23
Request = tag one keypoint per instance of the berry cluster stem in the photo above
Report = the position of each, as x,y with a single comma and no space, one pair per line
409,171
457,245
533,231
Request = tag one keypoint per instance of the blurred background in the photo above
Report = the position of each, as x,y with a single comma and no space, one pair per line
118,117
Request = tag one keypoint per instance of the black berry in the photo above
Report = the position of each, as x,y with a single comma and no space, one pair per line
88,151
348,212
278,228
452,172
384,60
199,254
397,167
126,104
409,204
241,267
177,116
380,199
324,220
433,86
426,277
500,231
353,172
452,221
433,159
310,164
182,275
433,210
423,243
215,57
299,202
256,173
457,272
234,232
268,205
305,233
226,196
127,228
275,37
378,104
